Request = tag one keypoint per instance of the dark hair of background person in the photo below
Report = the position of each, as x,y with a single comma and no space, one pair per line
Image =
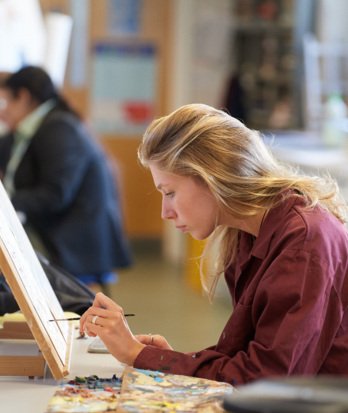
39,85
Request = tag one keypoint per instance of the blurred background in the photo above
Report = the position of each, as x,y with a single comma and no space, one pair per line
279,65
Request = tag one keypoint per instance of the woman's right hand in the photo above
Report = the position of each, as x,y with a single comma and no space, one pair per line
105,318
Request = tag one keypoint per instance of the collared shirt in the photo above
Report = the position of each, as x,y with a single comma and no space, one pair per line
289,287
25,131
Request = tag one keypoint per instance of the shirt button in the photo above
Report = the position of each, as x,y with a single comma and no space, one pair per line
223,335
193,356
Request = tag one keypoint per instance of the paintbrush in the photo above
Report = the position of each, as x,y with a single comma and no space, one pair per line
78,318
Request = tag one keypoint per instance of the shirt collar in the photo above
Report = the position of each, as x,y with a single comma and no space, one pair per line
30,124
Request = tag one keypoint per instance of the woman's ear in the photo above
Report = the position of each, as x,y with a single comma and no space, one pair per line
26,99
23,95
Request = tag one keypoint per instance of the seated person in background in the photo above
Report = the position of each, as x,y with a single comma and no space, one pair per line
282,244
58,180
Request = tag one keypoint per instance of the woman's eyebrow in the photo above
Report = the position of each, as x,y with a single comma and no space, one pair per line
160,186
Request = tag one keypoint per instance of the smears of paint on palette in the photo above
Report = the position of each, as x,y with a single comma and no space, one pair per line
86,394
140,391
153,391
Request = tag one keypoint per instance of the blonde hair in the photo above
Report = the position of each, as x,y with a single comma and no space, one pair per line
239,169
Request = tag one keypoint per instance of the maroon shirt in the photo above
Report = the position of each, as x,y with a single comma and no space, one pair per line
290,292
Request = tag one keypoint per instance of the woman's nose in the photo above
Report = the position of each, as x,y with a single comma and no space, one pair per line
167,213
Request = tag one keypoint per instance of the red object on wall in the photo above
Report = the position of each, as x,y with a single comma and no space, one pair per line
138,112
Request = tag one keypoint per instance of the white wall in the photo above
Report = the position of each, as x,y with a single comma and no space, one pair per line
22,31
332,20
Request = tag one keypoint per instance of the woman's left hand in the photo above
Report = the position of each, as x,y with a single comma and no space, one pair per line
154,340
105,319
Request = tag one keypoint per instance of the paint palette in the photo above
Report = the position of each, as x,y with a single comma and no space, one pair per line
97,346
153,391
140,391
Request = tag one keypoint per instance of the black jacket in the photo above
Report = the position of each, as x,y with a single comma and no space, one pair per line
64,186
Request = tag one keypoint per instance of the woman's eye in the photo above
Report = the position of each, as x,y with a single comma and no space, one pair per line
169,194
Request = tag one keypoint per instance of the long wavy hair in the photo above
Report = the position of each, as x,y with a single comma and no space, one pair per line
237,166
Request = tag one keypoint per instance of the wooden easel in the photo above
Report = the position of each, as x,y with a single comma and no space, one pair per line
36,341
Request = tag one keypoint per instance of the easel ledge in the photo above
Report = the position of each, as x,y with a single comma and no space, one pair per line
16,336
16,330
31,366
20,355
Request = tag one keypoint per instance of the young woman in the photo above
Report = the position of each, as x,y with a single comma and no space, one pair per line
283,249
58,179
